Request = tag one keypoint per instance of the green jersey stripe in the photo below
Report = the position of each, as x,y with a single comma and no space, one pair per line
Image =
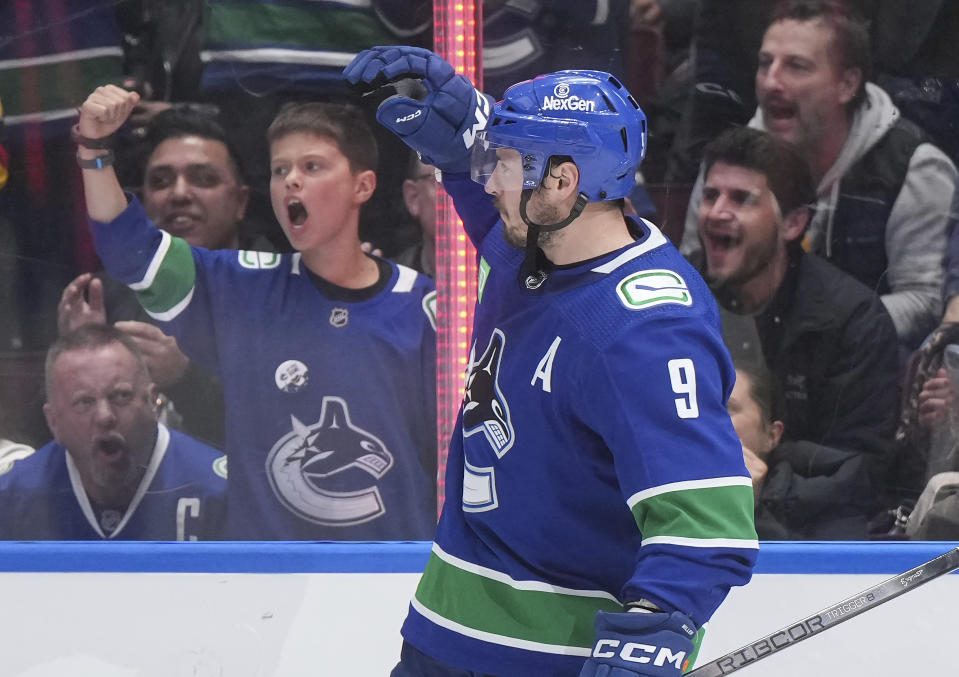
482,276
272,25
496,638
715,513
486,572
57,84
491,606
167,287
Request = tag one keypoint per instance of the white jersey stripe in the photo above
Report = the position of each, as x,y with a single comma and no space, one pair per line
170,314
406,279
689,485
702,542
655,239
165,241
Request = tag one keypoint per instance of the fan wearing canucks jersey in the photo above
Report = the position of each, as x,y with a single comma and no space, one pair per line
598,509
112,471
327,356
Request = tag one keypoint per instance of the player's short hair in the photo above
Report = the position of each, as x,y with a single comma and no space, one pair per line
785,169
90,337
850,45
343,124
174,123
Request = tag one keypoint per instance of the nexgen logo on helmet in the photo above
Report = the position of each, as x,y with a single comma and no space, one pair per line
562,100
572,103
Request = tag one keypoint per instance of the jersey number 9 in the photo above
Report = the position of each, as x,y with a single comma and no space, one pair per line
682,376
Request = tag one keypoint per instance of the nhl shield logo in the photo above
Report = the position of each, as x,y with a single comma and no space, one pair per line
327,472
339,317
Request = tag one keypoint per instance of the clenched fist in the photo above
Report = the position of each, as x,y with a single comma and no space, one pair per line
105,111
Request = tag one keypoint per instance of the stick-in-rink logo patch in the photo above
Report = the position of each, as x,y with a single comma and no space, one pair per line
649,288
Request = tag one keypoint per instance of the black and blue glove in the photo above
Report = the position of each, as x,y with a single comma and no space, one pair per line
631,644
438,115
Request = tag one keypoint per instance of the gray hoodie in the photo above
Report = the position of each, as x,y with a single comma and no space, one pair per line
915,231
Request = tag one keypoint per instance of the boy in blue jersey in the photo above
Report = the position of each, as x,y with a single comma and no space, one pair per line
327,356
598,508
112,471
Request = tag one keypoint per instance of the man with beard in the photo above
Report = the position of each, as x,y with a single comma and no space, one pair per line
112,471
597,502
826,337
883,190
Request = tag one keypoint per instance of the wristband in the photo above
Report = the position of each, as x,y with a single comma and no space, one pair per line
103,143
644,606
99,162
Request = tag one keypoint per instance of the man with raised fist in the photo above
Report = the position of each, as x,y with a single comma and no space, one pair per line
598,508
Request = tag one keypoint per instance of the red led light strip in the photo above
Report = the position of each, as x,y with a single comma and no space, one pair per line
457,37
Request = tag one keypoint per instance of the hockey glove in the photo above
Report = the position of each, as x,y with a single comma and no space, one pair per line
437,115
631,644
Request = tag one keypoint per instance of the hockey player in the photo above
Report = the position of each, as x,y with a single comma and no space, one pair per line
112,471
597,505
327,356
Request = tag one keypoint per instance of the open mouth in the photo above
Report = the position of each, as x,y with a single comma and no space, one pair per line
297,212
721,242
111,447
778,111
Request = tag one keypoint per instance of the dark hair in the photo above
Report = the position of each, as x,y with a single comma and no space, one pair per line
341,123
178,122
850,32
762,388
89,337
785,170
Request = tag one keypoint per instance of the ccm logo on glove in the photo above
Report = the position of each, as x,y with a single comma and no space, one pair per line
411,116
634,652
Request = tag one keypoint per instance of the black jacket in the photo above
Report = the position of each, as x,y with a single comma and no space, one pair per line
832,349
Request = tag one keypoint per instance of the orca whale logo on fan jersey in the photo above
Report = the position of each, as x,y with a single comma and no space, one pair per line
484,407
327,472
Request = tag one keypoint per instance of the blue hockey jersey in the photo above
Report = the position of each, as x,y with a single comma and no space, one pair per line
593,461
330,405
182,496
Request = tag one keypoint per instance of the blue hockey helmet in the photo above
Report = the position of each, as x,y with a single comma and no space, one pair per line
584,114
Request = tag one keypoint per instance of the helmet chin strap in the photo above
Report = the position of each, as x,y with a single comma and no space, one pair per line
530,275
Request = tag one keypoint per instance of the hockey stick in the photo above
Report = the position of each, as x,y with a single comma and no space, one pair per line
843,611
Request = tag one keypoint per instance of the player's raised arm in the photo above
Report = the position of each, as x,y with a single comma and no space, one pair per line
102,114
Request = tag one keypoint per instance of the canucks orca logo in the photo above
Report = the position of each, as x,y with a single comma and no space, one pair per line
484,407
327,472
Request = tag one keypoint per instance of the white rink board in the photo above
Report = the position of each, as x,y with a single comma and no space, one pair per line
292,610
